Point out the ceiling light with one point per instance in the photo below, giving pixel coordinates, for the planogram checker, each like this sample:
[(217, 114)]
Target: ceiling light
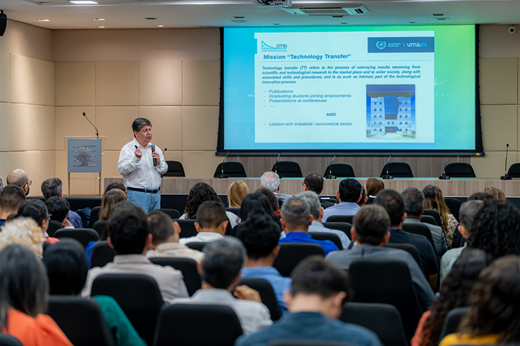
[(438, 14), (160, 26), (83, 2), (239, 17), (412, 22), (150, 18), (101, 26), (276, 23), (344, 23), (44, 20), (98, 19)]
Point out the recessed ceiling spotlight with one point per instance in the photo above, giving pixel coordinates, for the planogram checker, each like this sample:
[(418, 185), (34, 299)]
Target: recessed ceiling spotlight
[(412, 22), (83, 2), (344, 23), (276, 23), (98, 19), (150, 18), (239, 17), (44, 20), (337, 16), (101, 26), (438, 14), (160, 26)]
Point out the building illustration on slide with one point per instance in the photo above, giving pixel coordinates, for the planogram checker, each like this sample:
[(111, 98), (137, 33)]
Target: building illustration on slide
[(391, 111)]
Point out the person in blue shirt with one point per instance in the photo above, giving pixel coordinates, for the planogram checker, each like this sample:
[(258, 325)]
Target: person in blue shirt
[(260, 235), (318, 292), (296, 218), (349, 194)]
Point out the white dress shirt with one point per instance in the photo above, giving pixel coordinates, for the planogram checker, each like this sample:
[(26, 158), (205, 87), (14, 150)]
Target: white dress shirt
[(175, 250), (141, 173), (253, 316), (204, 237)]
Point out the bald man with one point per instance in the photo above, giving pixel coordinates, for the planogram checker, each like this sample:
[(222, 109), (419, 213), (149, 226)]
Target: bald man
[(20, 178)]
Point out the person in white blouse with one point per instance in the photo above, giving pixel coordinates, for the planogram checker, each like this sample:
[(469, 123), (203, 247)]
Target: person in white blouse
[(141, 164)]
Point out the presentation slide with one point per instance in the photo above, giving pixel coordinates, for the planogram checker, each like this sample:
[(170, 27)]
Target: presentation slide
[(359, 88)]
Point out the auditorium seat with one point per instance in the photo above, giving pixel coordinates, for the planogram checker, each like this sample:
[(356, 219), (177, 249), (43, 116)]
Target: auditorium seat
[(435, 215), (341, 218), (175, 169), (340, 170), (187, 228), (53, 227), (82, 235), (398, 170), (235, 211), (172, 213), (137, 295), (197, 324), (460, 170), (327, 236), (100, 226), (412, 250), (428, 219), (232, 169), (345, 227), (94, 216), (288, 169), (102, 254), (453, 205), (291, 254), (419, 229), (514, 170), (8, 340), (77, 203), (187, 266), (267, 295), (452, 321), (197, 245)]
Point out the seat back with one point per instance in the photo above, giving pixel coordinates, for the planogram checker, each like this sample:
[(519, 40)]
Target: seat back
[(197, 325), (398, 170), (187, 228), (187, 266), (452, 321), (8, 340), (514, 170), (428, 219), (232, 169), (266, 291), (175, 169), (81, 320), (291, 254), (137, 295), (340, 170), (102, 254), (53, 227), (453, 205), (172, 213), (382, 319), (388, 282), (235, 211), (411, 249), (435, 215), (327, 236), (99, 227), (83, 235), (345, 227), (288, 169), (94, 216), (341, 218), (420, 229), (197, 245), (460, 170), (77, 203)]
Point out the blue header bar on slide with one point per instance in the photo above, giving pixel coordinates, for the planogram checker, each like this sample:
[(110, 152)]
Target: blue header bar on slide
[(401, 44)]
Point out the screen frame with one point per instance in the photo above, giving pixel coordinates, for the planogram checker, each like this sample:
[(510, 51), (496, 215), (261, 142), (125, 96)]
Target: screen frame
[(479, 148)]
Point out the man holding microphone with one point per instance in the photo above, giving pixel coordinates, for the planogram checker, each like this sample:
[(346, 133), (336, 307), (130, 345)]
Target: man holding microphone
[(141, 164)]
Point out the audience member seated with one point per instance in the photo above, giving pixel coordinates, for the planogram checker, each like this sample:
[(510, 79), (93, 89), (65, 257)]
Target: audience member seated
[(370, 235), (23, 301), (467, 214), (67, 269), (393, 203), (317, 214), (116, 185), (493, 307), (364, 197), (481, 196), (454, 293), (271, 197), (349, 194), (200, 193), (165, 238), (498, 194), (236, 193), (211, 223), (220, 271), (296, 218), (314, 182), (110, 199), (53, 187), (260, 235), (10, 199), (496, 229), (433, 199), (129, 236), (20, 178), (258, 204), (373, 186), (58, 209), (23, 231), (271, 181), (414, 207), (318, 292), (36, 210)]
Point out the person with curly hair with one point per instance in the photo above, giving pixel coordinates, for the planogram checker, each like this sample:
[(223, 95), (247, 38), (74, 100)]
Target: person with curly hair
[(496, 229), (433, 199), (200, 193), (494, 308), (454, 293)]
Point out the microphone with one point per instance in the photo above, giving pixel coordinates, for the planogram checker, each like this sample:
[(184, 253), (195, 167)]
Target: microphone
[(506, 176), (444, 176), (222, 175), (330, 176), (153, 151), (387, 176), (97, 133), (276, 166)]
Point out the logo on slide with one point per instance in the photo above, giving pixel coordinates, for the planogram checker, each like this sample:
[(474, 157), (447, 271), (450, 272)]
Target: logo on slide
[(381, 44), (281, 47)]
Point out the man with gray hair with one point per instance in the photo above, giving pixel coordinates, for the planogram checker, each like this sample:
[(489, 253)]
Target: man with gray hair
[(467, 214), (296, 218), (220, 271), (20, 178), (53, 187), (313, 201), (271, 181), (141, 164), (414, 208)]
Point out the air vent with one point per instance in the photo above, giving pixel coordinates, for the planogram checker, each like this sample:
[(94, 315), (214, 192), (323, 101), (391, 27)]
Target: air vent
[(355, 10)]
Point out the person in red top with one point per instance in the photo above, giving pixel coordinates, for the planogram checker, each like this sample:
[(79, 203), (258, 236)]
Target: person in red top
[(36, 210), (23, 299)]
